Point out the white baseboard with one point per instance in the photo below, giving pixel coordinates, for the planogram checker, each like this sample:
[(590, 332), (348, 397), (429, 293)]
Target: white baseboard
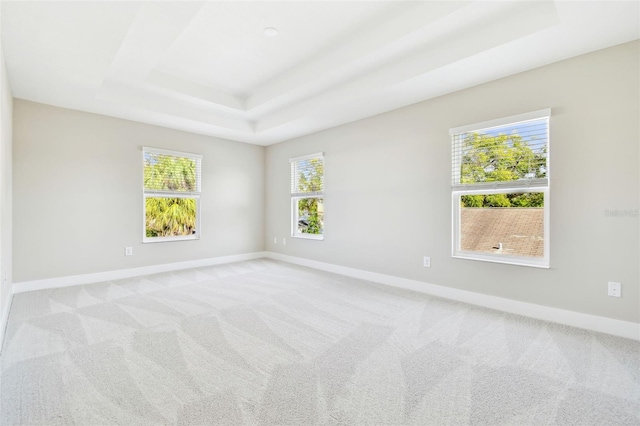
[(5, 317), (612, 326), (97, 277)]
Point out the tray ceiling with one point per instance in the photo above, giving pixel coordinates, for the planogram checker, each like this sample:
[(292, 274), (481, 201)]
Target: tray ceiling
[(209, 68)]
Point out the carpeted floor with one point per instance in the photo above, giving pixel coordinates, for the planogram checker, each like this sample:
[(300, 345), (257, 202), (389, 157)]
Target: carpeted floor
[(264, 342)]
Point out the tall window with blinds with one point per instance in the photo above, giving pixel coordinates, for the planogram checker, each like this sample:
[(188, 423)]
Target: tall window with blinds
[(172, 186), (500, 190), (307, 196)]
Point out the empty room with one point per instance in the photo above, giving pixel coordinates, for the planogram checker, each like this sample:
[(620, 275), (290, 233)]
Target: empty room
[(320, 212)]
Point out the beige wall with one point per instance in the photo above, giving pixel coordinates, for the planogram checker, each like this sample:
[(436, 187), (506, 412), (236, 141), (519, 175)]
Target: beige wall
[(388, 200), (78, 194), (6, 106)]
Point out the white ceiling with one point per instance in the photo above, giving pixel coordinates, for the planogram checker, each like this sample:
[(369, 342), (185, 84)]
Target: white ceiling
[(207, 67)]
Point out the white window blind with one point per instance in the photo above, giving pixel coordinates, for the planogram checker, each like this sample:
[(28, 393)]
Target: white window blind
[(307, 175), (510, 152), (171, 172)]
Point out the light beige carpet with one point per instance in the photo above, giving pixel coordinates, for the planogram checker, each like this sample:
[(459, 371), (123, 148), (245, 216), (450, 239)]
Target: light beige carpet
[(263, 342)]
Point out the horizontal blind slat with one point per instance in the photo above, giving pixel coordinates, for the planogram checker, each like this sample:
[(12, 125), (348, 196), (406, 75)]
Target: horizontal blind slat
[(306, 194), (173, 194), (524, 183)]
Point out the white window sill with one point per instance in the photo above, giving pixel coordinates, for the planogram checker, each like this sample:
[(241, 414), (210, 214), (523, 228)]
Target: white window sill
[(169, 239), (508, 260), (317, 237)]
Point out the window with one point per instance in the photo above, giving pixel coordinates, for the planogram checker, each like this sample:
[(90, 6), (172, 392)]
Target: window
[(307, 200), (171, 195), (500, 190)]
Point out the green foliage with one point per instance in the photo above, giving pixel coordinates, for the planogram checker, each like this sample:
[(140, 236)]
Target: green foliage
[(497, 200), (167, 217), (472, 200), (315, 225), (170, 216), (490, 158), (531, 199), (310, 210)]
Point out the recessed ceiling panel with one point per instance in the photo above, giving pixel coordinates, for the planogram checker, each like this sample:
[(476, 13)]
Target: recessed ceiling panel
[(224, 47)]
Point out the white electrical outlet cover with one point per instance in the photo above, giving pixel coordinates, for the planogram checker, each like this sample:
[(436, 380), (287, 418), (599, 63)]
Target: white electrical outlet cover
[(615, 289)]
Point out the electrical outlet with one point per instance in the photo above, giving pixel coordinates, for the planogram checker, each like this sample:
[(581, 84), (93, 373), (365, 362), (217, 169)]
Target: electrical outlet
[(275, 240), (284, 241), (128, 251), (615, 289), (426, 262)]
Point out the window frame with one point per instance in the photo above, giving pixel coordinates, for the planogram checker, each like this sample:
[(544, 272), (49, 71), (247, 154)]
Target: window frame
[(298, 196), (501, 187), (171, 194)]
